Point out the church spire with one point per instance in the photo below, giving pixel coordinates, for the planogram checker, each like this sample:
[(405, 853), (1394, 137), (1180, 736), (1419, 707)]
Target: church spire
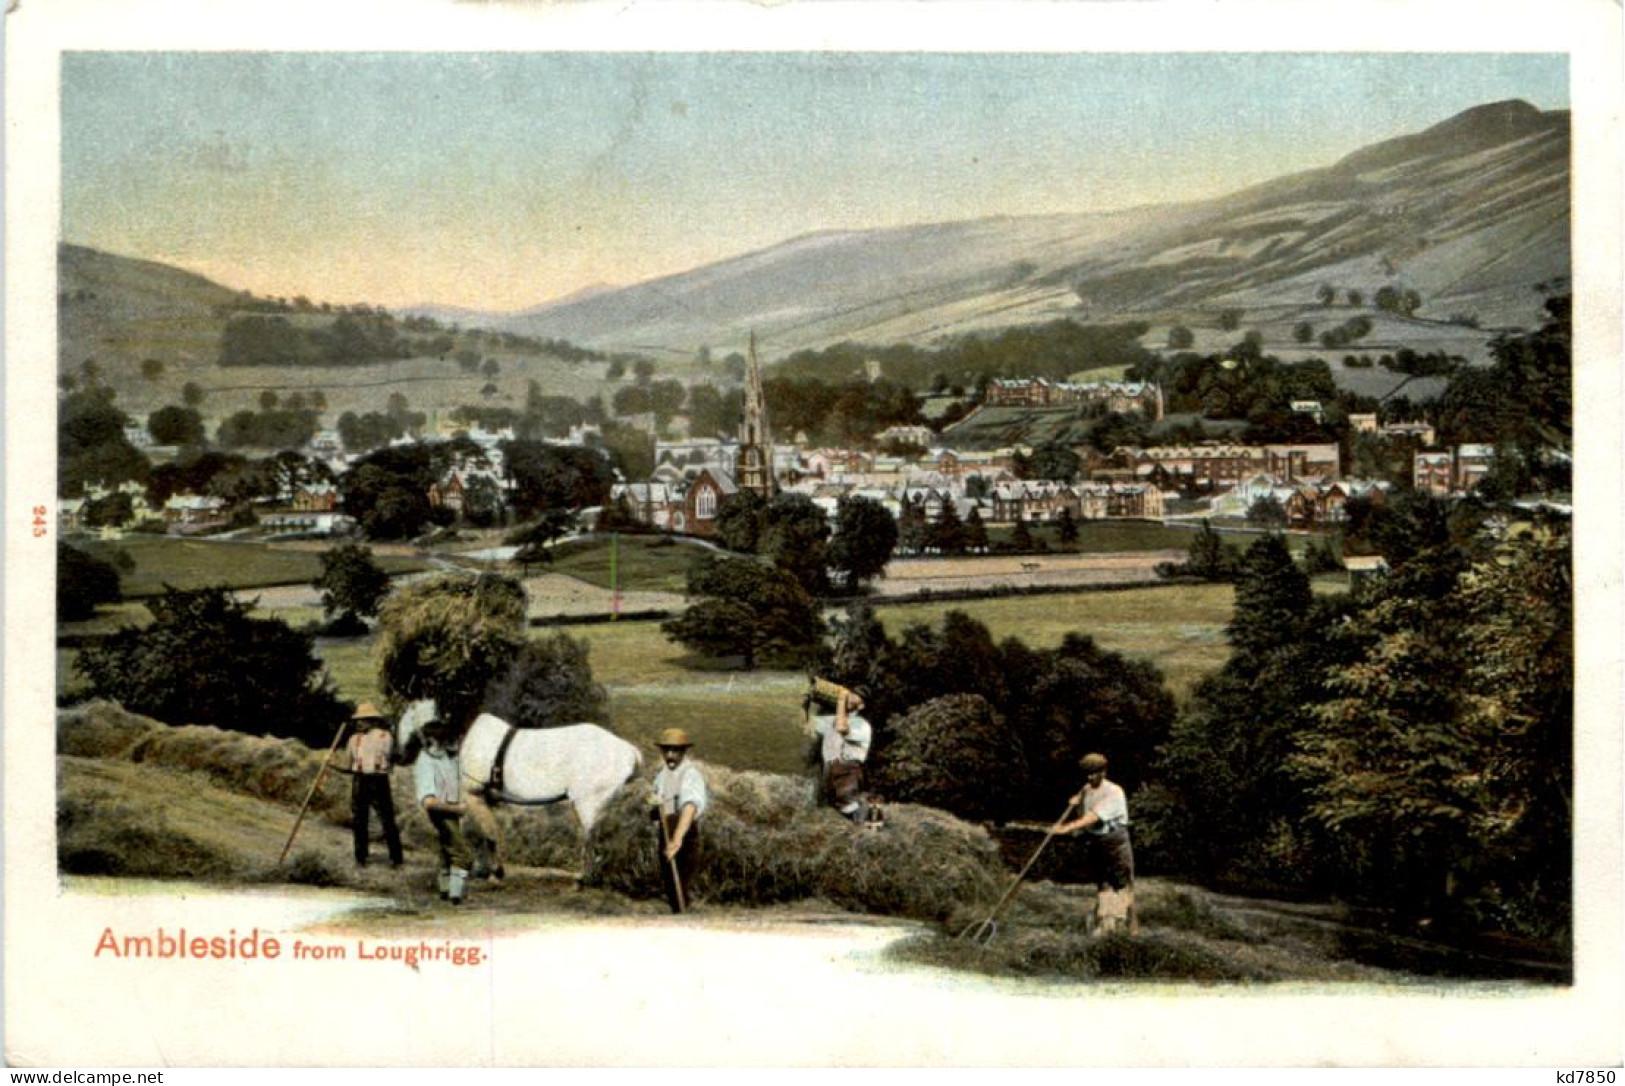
[(755, 464)]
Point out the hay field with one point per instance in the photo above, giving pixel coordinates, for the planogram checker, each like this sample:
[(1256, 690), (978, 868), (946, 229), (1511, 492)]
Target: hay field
[(1179, 628)]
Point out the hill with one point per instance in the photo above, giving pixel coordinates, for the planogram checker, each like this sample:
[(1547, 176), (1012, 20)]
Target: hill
[(1471, 214), (120, 313)]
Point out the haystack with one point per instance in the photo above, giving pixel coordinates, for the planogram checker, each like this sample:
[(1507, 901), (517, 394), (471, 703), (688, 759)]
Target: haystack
[(766, 840)]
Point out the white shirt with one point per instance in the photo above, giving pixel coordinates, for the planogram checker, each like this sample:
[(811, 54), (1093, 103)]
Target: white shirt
[(436, 774), (680, 787), (851, 747), (1109, 803)]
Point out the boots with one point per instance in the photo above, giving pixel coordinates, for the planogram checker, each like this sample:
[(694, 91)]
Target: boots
[(458, 883)]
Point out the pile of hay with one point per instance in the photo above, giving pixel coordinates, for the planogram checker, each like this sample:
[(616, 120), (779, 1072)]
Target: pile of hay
[(766, 840), (96, 834)]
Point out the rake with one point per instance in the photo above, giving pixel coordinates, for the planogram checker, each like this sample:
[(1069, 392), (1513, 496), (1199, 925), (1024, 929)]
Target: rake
[(982, 932)]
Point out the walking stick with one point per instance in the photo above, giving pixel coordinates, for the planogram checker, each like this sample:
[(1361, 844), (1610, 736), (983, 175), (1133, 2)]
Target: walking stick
[(984, 931), (317, 783), (671, 862)]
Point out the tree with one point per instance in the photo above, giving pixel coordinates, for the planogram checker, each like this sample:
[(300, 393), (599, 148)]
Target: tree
[(192, 394), (1207, 558), (205, 660), (1356, 298), (743, 608), (536, 542), (957, 754), (864, 539), (739, 521), (152, 369), (490, 368), (175, 426), (947, 533), (1180, 338), (643, 370), (1066, 527), (91, 446), (447, 639), (1303, 332), (83, 583), (1324, 294), (1021, 537), (795, 536), (1230, 319), (1267, 512), (352, 585), (548, 684), (268, 400), (1050, 461), (975, 532)]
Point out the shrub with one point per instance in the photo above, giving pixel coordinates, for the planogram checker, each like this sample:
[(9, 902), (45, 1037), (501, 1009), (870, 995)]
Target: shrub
[(954, 753)]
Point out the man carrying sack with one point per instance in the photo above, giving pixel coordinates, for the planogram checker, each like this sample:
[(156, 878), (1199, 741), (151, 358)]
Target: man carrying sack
[(1104, 823), (370, 748), (677, 803), (843, 746)]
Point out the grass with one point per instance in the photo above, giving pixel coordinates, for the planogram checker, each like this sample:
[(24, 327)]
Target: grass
[(196, 563), (1179, 628), (646, 563)]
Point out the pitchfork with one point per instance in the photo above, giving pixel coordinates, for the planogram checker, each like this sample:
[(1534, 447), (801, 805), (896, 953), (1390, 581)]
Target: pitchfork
[(982, 933)]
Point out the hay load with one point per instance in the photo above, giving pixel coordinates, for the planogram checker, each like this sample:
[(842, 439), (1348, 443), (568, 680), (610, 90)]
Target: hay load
[(766, 840)]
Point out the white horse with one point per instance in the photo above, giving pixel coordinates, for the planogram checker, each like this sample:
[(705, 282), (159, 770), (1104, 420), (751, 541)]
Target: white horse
[(583, 763)]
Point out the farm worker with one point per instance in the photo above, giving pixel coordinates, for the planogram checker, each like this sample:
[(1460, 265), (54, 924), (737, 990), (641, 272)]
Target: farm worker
[(678, 803), (1104, 823), (843, 747), (439, 787), (369, 748)]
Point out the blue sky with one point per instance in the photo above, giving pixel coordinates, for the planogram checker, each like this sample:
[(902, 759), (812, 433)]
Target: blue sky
[(502, 180)]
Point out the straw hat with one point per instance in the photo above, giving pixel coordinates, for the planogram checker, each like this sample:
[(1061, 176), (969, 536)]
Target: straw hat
[(1093, 763), (674, 737), (367, 711)]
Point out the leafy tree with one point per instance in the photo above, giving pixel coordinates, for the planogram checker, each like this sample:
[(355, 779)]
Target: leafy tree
[(536, 542), (1207, 558), (957, 754), (447, 639), (1066, 527), (175, 426), (1181, 338), (739, 521), (192, 394), (1021, 537), (865, 537), (947, 533), (110, 511), (911, 528), (549, 684), (490, 368), (83, 583), (555, 476), (643, 370), (795, 537), (1230, 319), (746, 609), (352, 584), (268, 400), (205, 660), (1355, 298), (91, 446), (1050, 461), (152, 369), (1267, 512), (616, 370), (387, 491), (1303, 332), (1324, 294), (975, 532)]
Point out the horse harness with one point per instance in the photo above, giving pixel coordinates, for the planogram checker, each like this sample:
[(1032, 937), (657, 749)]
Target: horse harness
[(493, 787)]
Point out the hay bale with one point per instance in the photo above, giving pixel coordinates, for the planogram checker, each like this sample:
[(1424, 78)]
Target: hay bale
[(766, 840), (100, 835), (100, 729)]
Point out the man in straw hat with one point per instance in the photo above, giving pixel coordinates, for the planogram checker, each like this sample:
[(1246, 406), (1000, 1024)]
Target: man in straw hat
[(370, 749), (1104, 824), (677, 804)]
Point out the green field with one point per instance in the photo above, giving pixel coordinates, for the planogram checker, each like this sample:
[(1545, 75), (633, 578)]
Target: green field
[(749, 720), (645, 563), (196, 563), (1104, 536)]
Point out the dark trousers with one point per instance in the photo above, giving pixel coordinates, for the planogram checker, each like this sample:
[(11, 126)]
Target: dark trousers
[(688, 857), (454, 851), (369, 791), (843, 784), (1111, 858)]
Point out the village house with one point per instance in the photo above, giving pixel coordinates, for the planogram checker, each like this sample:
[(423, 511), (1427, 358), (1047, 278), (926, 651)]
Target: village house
[(190, 513), (659, 505), (1123, 397)]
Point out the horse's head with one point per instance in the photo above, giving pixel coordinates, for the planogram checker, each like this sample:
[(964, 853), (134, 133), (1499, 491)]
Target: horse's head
[(409, 729)]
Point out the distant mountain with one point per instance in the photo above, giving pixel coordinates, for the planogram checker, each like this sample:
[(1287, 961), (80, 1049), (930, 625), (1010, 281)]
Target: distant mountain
[(1472, 213)]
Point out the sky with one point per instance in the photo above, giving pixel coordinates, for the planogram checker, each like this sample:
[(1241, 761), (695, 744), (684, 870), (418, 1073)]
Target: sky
[(500, 181)]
